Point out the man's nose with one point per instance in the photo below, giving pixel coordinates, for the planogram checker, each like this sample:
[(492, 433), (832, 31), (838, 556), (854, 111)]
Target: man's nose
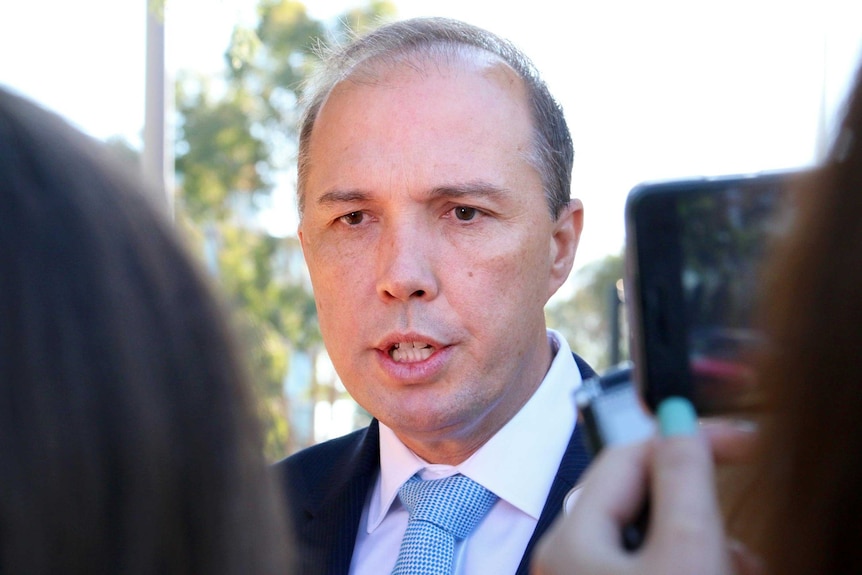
[(406, 266)]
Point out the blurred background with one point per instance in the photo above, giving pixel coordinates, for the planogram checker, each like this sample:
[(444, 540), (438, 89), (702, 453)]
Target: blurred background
[(202, 94)]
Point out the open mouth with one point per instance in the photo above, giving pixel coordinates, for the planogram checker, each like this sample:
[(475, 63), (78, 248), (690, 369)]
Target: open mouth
[(410, 352)]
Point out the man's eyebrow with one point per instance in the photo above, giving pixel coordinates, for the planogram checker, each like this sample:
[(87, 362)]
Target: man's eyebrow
[(454, 191), (468, 189), (342, 197)]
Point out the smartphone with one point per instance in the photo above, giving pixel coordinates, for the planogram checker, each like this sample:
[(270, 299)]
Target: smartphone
[(695, 250)]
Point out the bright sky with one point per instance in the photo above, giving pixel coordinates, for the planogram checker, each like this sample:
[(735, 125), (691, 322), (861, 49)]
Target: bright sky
[(651, 88)]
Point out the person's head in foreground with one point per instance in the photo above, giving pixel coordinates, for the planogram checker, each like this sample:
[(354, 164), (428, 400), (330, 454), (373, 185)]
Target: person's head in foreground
[(128, 436)]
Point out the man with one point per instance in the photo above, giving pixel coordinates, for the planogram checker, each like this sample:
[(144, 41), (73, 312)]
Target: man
[(435, 219)]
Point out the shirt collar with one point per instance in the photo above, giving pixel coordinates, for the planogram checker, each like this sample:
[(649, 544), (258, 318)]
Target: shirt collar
[(518, 464)]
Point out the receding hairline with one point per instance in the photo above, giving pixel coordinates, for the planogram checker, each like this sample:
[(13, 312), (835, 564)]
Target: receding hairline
[(419, 58)]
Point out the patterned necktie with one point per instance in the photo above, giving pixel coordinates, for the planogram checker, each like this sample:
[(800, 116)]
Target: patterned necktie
[(441, 512)]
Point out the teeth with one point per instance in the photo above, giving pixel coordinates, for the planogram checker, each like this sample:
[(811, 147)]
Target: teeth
[(410, 352)]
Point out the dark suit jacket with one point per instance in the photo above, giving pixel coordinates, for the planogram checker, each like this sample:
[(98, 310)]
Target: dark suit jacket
[(326, 486)]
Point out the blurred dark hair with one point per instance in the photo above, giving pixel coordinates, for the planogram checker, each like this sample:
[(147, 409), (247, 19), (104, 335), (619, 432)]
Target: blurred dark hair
[(808, 496), (440, 38), (128, 437)]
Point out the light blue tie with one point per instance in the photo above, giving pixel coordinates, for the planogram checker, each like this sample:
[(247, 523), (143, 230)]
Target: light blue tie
[(441, 512)]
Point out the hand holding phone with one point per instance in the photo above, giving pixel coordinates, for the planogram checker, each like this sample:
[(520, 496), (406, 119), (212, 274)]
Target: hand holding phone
[(678, 471), (694, 253)]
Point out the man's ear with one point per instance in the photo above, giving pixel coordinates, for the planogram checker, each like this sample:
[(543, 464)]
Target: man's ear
[(564, 244), (299, 235)]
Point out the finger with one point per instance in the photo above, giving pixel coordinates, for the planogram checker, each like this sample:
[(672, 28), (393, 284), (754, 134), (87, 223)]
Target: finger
[(683, 491), (686, 515), (732, 441), (615, 485)]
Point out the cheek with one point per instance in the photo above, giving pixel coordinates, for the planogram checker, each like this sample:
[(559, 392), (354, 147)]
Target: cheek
[(501, 291), (333, 256), (336, 267), (328, 299), (521, 268)]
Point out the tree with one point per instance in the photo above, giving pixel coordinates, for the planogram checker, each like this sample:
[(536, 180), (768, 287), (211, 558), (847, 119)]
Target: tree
[(235, 136), (587, 319)]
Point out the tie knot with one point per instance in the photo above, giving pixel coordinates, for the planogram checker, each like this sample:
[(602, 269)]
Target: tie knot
[(456, 504)]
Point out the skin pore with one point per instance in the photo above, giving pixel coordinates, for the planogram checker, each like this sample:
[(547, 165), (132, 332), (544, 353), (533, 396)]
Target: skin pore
[(431, 248)]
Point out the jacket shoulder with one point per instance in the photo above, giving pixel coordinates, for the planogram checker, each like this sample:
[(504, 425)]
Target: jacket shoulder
[(322, 466)]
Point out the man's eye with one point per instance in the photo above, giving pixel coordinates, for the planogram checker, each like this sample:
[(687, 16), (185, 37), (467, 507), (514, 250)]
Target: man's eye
[(465, 213), (353, 218)]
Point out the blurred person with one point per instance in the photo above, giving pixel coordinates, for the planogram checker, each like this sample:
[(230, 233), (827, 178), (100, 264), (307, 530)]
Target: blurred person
[(128, 435), (802, 513), (436, 221)]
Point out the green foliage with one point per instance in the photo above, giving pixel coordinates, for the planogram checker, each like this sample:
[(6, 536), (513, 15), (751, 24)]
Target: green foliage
[(287, 37), (276, 428), (586, 318), (218, 154)]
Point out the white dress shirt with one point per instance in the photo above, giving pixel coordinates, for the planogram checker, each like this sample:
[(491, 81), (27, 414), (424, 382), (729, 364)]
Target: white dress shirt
[(518, 464)]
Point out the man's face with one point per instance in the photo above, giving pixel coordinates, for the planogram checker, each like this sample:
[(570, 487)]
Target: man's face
[(431, 249)]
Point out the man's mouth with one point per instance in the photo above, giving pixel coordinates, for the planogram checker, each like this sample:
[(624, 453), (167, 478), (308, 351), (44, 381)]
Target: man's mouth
[(410, 352)]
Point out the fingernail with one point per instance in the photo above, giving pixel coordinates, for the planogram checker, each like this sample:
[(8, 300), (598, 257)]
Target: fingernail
[(676, 416)]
